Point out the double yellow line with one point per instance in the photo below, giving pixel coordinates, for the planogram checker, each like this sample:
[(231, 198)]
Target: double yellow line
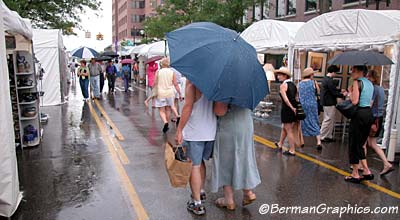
[(119, 158), (329, 167)]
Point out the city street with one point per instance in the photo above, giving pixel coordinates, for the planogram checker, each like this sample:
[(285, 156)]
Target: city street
[(105, 160)]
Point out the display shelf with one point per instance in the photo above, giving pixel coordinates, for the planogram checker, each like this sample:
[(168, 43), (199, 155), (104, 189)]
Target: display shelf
[(27, 103), (26, 87), (25, 73), (28, 118)]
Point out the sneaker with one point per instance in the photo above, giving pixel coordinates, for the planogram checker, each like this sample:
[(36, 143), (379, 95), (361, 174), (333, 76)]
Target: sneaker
[(198, 209), (203, 196)]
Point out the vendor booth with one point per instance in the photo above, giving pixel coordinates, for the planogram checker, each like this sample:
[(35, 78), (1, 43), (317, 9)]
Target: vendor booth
[(15, 34), (49, 50), (329, 34), (272, 37)]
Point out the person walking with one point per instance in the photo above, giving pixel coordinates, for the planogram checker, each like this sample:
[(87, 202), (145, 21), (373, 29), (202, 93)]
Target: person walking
[(165, 82), (125, 75), (308, 88), (72, 68), (95, 71), (196, 131), (135, 69), (329, 94), (83, 74), (234, 161), (102, 77), (361, 96), (288, 93), (111, 72), (377, 112)]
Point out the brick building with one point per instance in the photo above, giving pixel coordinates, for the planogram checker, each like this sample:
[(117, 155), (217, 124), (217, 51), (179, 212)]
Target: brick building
[(304, 10), (128, 16)]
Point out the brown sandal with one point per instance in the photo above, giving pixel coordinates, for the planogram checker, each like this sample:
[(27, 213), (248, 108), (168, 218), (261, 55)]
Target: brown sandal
[(248, 199), (221, 203)]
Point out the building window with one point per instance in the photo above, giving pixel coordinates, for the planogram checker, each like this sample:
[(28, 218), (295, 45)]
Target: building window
[(311, 5), (280, 8), (138, 4), (138, 18), (135, 32), (291, 7), (154, 3)]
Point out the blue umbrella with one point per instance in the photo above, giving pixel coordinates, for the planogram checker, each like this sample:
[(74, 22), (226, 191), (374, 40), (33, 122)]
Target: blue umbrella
[(222, 65), (84, 53)]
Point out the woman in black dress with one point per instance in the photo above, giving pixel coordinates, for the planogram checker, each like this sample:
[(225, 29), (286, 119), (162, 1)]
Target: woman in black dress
[(288, 92)]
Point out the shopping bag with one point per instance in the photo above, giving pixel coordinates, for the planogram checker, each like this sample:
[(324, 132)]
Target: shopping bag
[(177, 166)]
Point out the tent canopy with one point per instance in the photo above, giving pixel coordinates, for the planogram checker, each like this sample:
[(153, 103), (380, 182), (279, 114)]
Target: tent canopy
[(13, 23), (271, 36), (153, 49), (351, 29)]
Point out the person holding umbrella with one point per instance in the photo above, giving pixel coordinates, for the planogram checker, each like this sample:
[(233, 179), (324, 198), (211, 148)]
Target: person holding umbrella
[(83, 74), (95, 71), (111, 72), (125, 75), (225, 68), (361, 96)]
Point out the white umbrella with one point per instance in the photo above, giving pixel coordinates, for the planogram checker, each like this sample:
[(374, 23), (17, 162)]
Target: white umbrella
[(157, 49)]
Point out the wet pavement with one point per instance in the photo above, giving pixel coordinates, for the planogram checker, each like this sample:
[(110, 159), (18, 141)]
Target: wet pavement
[(83, 171)]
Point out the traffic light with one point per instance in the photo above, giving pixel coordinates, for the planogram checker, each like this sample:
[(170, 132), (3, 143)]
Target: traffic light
[(99, 36)]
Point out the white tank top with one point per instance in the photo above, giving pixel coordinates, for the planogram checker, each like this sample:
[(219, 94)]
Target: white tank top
[(202, 124)]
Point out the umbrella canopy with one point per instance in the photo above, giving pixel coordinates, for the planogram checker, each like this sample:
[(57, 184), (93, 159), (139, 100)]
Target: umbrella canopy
[(110, 54), (104, 58), (218, 62), (359, 58), (84, 53), (127, 61), (153, 59), (157, 49)]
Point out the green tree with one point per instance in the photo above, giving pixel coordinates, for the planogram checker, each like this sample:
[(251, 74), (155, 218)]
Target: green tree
[(177, 13), (59, 14)]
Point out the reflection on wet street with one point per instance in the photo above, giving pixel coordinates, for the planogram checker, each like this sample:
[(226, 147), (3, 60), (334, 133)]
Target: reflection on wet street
[(105, 160)]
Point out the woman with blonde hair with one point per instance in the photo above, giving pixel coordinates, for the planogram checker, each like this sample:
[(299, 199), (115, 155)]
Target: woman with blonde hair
[(165, 81)]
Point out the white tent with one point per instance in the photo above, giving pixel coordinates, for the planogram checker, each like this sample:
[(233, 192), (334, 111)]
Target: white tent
[(154, 49), (49, 50), (358, 29), (271, 36), (10, 196), (136, 49)]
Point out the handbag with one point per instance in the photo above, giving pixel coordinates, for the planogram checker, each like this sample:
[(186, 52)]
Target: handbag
[(347, 108), (177, 165), (320, 107), (300, 114)]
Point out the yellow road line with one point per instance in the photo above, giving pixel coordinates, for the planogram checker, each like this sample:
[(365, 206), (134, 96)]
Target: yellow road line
[(109, 121), (133, 196), (329, 167), (121, 153)]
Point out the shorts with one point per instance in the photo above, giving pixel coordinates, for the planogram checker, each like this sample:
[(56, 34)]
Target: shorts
[(159, 103), (197, 151)]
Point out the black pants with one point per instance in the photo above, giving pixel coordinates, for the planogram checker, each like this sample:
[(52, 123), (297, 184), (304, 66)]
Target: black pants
[(111, 82), (360, 126), (101, 82)]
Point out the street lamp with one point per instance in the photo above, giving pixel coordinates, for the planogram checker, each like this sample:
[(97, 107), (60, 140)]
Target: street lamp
[(142, 33), (134, 35)]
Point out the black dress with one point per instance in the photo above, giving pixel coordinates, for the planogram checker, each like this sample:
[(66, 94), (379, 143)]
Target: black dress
[(287, 115)]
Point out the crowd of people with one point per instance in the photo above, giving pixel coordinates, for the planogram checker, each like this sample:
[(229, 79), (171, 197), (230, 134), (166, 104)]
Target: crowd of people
[(210, 129), (364, 93)]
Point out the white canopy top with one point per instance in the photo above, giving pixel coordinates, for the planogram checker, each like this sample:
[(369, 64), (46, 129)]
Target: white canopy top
[(349, 29), (47, 38), (136, 49), (270, 36), (13, 23), (153, 49)]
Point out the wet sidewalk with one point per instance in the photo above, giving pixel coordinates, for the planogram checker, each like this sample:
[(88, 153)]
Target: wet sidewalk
[(105, 160)]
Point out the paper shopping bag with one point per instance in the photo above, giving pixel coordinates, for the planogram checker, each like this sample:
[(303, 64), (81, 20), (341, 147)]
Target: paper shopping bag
[(178, 171)]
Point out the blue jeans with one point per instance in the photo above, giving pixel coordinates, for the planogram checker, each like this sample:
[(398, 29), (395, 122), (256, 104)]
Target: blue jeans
[(126, 83), (95, 85), (84, 83), (198, 151)]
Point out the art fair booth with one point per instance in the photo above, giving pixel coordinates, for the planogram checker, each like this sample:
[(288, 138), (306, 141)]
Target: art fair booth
[(15, 41), (49, 51), (329, 34)]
